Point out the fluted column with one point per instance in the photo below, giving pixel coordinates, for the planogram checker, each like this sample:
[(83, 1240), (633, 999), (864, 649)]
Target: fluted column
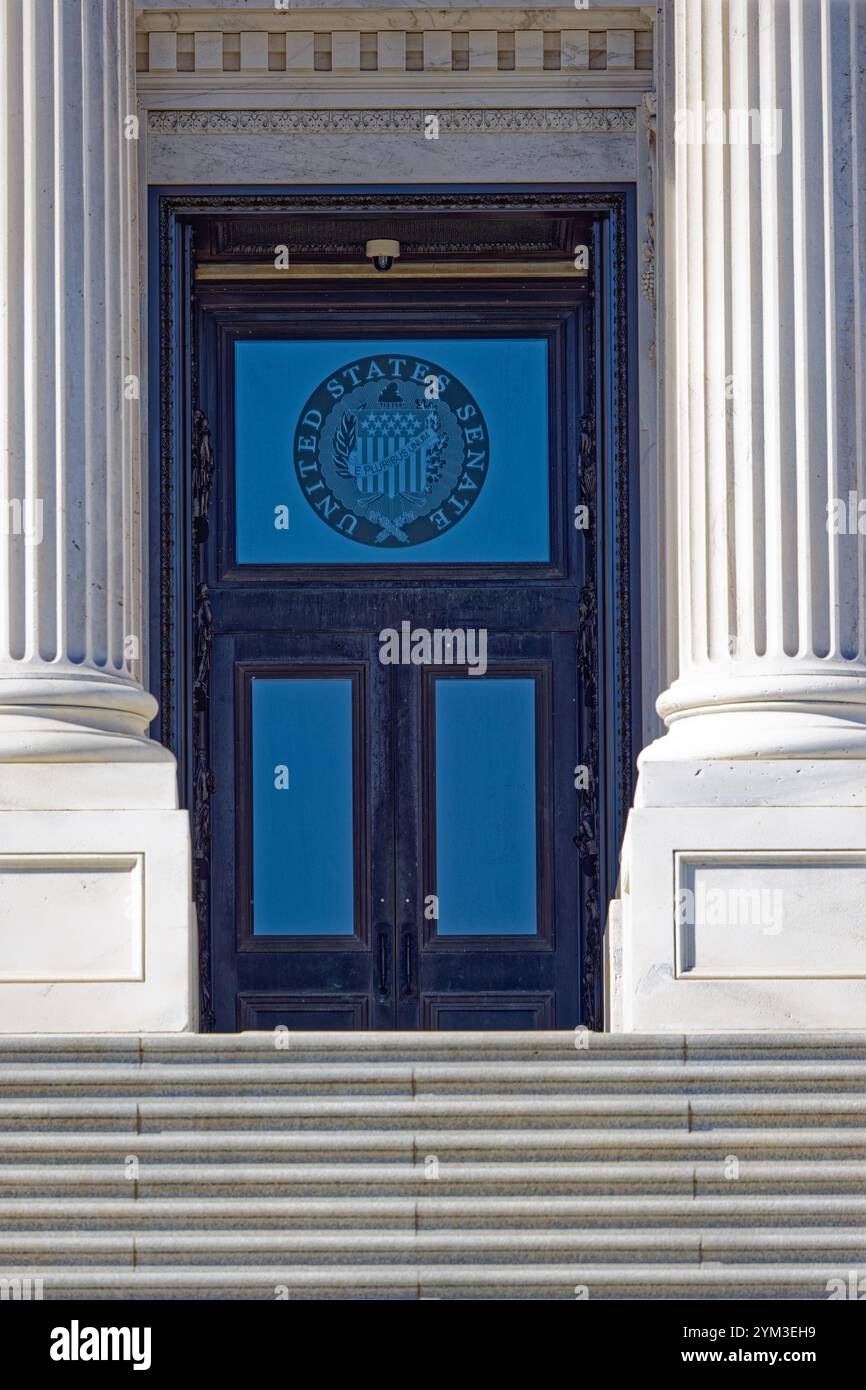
[(768, 255), (70, 602)]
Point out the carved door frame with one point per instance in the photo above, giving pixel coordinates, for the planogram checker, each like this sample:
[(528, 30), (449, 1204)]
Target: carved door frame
[(181, 465)]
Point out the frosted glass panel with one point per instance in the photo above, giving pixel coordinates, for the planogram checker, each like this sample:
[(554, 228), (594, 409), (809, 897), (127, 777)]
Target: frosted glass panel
[(486, 863), (303, 874), (392, 451)]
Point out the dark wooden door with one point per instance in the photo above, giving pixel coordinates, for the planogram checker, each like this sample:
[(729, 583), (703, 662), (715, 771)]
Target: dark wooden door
[(485, 855), (394, 582), (302, 905)]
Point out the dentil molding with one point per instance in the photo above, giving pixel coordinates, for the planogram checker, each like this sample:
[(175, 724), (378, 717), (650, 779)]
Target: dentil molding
[(554, 43)]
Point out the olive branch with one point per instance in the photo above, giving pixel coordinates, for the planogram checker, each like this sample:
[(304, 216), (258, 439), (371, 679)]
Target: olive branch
[(436, 461), (344, 444)]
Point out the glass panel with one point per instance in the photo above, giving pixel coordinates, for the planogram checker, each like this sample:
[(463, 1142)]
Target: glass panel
[(485, 807), (303, 874), (404, 451)]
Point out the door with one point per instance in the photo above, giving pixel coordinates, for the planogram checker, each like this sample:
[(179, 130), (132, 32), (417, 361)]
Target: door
[(394, 582)]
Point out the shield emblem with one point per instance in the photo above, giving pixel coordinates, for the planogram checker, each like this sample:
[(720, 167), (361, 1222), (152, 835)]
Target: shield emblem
[(391, 457)]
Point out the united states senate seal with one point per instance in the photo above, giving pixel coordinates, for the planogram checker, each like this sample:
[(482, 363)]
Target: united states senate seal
[(391, 451)]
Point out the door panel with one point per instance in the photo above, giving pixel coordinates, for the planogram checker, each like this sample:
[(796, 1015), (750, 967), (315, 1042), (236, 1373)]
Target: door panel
[(485, 860), (304, 875)]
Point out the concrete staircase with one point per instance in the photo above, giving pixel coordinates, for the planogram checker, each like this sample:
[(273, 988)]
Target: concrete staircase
[(437, 1166)]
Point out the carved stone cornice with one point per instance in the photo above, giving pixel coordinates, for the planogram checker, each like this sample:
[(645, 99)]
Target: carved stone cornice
[(559, 120)]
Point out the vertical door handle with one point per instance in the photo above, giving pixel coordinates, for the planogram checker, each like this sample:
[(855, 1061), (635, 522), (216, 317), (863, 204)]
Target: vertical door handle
[(408, 984), (384, 937)]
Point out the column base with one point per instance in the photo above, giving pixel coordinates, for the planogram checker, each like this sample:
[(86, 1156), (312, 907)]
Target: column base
[(97, 928), (742, 899), (810, 711)]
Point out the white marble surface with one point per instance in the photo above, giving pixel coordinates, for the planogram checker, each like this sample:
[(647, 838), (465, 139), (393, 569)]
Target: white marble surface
[(254, 51), (84, 915), (753, 782), (105, 984), (794, 991), (300, 51), (529, 49), (753, 914), (395, 13), (574, 50), (162, 52), (483, 50), (392, 51), (208, 52), (620, 50), (90, 786), (345, 52), (437, 51), (228, 159)]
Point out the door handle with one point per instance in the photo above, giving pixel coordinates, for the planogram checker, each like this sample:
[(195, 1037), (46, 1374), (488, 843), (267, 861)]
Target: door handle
[(408, 985), (383, 953)]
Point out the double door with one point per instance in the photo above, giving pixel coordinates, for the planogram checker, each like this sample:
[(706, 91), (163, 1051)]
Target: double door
[(394, 588)]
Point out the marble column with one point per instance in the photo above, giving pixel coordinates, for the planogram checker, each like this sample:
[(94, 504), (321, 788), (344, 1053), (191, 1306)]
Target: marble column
[(744, 863), (768, 262), (95, 922), (70, 600)]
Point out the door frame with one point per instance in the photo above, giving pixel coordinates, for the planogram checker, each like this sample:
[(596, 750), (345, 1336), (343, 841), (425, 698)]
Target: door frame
[(180, 478)]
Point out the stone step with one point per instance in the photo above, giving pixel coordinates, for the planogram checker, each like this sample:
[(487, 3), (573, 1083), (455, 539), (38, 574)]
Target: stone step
[(467, 1166), (468, 1179), (105, 1151), (585, 1212), (133, 1250), (247, 1080), (563, 1044), (88, 1114), (569, 1281)]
